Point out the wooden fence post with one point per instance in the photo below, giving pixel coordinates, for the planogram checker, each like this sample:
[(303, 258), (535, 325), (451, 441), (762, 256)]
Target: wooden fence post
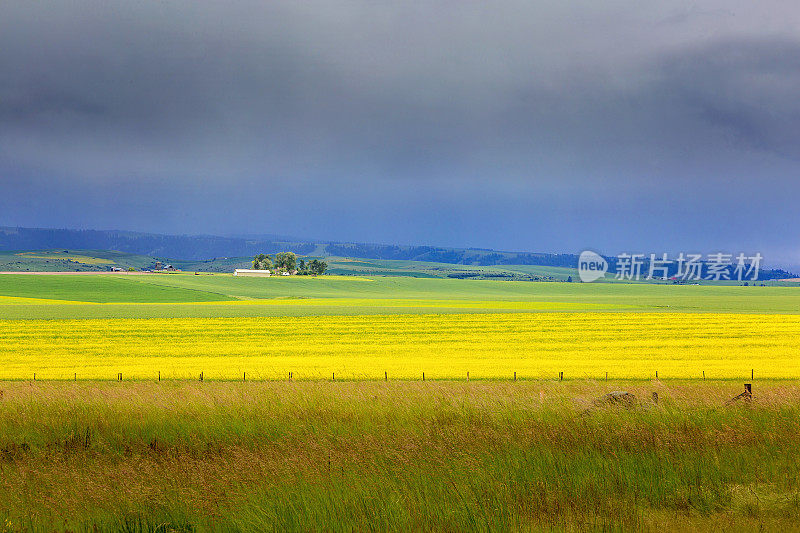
[(423, 376), (467, 375), (515, 376), (560, 376), (159, 375), (606, 377), (752, 373), (334, 376), (385, 376), (244, 376), (201, 376)]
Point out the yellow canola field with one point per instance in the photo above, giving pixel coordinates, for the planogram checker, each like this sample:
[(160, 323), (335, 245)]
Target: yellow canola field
[(535, 345)]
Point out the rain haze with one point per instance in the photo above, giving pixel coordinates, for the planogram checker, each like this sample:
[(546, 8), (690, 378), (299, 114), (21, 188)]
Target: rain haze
[(531, 126)]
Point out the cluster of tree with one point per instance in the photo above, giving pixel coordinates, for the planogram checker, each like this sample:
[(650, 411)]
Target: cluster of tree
[(287, 262), (315, 267), (262, 262)]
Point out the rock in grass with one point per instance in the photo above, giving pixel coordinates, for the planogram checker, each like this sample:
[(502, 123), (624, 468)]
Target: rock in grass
[(616, 398)]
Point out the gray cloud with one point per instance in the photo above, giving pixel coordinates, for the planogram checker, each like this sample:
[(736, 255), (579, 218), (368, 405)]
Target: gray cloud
[(515, 125)]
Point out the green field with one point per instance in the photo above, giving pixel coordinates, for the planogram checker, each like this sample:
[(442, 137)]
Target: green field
[(61, 260), (219, 295)]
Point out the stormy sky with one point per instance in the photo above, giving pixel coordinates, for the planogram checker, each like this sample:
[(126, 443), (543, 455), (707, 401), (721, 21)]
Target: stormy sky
[(537, 126)]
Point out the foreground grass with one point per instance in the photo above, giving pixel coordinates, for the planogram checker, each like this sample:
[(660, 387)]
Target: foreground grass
[(396, 456)]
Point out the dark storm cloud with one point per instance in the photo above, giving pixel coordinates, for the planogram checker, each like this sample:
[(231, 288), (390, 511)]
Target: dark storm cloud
[(744, 90), (518, 125)]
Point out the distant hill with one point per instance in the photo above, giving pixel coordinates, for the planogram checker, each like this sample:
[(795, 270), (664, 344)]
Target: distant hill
[(206, 247), (230, 252)]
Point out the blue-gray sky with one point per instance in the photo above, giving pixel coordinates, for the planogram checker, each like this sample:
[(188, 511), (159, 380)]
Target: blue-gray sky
[(538, 126)]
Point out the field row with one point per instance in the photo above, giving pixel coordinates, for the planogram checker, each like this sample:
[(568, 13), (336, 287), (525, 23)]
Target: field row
[(534, 345)]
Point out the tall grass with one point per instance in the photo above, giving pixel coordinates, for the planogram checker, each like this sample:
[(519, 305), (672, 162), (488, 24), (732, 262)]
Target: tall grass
[(441, 456)]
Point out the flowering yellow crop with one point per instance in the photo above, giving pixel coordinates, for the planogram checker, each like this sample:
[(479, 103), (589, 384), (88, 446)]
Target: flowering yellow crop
[(535, 345)]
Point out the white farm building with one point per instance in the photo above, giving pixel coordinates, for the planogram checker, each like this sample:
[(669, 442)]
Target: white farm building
[(252, 273)]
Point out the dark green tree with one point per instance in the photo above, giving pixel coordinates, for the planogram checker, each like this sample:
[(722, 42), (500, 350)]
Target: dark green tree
[(317, 267), (262, 262), (286, 261)]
